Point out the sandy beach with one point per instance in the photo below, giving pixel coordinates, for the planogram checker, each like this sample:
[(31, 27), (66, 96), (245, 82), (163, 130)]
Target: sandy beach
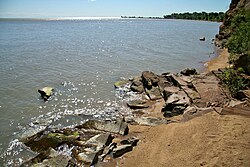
[(209, 140), (218, 62)]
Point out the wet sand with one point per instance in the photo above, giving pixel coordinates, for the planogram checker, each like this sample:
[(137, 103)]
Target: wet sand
[(218, 62)]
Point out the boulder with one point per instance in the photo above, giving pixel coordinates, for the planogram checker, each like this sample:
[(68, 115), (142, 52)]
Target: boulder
[(163, 83), (88, 159), (47, 158), (42, 142), (192, 112), (176, 104), (168, 91), (120, 150), (187, 87), (31, 132), (189, 71), (137, 85), (118, 126), (46, 92), (177, 81), (179, 98), (154, 93), (177, 110), (100, 140), (139, 89), (191, 92), (108, 150), (137, 104), (149, 79)]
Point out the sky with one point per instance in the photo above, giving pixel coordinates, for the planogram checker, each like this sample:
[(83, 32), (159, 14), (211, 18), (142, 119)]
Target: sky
[(105, 8)]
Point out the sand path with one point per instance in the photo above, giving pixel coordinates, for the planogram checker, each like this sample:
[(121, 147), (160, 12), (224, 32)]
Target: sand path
[(209, 140)]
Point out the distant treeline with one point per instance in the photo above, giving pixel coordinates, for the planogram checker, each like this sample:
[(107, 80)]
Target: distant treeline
[(213, 16)]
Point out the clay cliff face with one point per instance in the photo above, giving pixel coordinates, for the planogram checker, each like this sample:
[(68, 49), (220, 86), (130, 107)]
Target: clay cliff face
[(226, 29)]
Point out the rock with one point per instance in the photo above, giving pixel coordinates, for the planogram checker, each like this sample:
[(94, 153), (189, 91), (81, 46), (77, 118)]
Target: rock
[(120, 150), (139, 89), (118, 126), (179, 98), (149, 121), (168, 91), (187, 87), (122, 83), (89, 159), (163, 83), (176, 104), (177, 110), (131, 141), (177, 81), (149, 79), (137, 104), (100, 140), (237, 108), (189, 71), (154, 93), (192, 112), (46, 92), (108, 150), (58, 161), (32, 131), (47, 158), (137, 85), (202, 38), (42, 142)]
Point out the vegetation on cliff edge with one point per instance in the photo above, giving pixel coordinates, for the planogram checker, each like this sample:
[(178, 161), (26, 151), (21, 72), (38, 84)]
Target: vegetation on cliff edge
[(238, 46)]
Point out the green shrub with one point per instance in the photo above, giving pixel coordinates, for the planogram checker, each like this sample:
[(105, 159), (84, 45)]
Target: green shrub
[(234, 81), (239, 42)]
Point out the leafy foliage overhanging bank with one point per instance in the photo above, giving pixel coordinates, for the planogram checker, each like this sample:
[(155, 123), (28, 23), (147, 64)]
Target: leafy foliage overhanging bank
[(235, 35)]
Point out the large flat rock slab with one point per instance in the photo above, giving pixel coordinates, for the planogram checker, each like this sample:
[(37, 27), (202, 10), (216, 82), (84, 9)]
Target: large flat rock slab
[(211, 91)]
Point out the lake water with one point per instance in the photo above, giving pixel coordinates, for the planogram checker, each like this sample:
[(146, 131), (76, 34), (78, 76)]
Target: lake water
[(82, 59)]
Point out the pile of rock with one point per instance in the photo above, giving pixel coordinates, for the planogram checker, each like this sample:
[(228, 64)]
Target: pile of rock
[(85, 144), (177, 92)]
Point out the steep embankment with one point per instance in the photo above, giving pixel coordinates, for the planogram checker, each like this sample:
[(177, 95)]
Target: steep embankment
[(228, 27)]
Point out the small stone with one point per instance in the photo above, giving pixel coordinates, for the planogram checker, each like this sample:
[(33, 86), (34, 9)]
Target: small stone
[(202, 38)]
